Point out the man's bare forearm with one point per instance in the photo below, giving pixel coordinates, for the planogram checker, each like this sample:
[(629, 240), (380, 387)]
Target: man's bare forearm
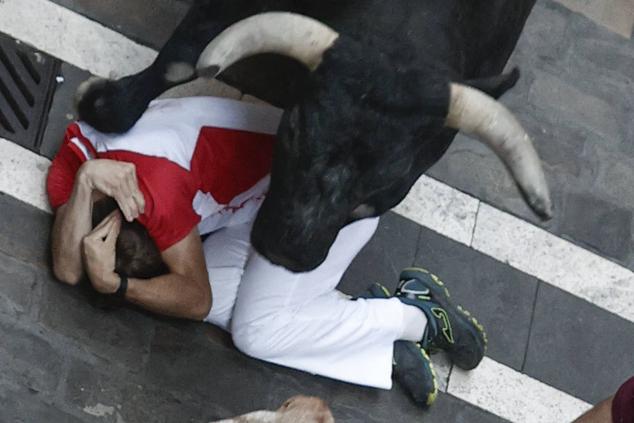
[(171, 295), (72, 222)]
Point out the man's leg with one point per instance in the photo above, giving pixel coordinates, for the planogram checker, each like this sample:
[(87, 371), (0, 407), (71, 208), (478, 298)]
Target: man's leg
[(299, 320), (226, 253)]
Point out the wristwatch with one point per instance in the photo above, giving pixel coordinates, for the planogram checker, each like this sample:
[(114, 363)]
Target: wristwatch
[(123, 286)]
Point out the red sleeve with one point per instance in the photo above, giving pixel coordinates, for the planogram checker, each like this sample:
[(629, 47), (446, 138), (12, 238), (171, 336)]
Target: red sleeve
[(66, 163), (169, 191), (166, 231)]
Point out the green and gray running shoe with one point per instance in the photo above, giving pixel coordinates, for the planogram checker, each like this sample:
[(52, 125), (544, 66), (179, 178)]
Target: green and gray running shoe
[(412, 368), (450, 328)]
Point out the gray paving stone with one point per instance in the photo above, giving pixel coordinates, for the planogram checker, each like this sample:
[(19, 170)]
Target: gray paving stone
[(580, 108), (602, 226), (358, 404), (500, 297), (450, 409), (24, 406), (27, 358), (211, 371), (544, 36), (108, 396), (197, 368), (24, 231), (19, 287), (610, 60), (348, 403), (117, 336), (392, 248), (577, 347), (191, 378)]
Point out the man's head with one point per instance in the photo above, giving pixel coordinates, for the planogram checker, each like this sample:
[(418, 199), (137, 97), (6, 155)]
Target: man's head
[(136, 253)]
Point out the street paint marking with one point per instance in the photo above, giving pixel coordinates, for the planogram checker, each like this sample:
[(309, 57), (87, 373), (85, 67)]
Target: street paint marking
[(441, 208), (23, 174), (52, 29), (521, 245), (513, 395), (554, 260)]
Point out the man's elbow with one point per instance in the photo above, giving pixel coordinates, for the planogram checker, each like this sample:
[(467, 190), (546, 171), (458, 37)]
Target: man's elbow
[(201, 307), (66, 275)]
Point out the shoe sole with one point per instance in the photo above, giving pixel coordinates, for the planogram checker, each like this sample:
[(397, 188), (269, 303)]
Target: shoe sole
[(414, 348), (379, 291), (475, 328)]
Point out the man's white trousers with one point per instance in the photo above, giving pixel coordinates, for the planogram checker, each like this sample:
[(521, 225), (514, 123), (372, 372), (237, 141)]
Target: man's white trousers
[(300, 320)]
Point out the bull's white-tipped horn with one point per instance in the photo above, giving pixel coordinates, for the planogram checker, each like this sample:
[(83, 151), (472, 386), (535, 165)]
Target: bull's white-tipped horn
[(475, 113), (297, 36)]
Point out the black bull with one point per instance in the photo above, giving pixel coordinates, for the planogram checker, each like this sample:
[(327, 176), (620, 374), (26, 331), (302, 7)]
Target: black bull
[(360, 129)]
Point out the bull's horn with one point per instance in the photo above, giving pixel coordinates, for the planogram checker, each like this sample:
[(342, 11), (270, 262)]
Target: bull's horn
[(473, 112), (289, 34)]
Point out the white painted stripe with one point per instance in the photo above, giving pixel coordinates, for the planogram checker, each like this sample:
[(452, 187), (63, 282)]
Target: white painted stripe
[(554, 260), (23, 174), (522, 245), (73, 38), (442, 208), (62, 33), (89, 45), (513, 395)]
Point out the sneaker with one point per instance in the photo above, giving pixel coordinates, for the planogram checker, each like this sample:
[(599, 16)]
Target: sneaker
[(412, 367), (449, 328)]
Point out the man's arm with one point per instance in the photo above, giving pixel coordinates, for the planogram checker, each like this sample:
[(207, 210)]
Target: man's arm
[(73, 220), (183, 293)]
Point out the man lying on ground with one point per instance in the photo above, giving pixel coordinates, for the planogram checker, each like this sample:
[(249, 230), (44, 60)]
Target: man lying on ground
[(199, 166)]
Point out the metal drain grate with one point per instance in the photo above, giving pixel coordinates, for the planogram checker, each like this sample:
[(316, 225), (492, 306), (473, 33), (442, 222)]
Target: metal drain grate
[(27, 81)]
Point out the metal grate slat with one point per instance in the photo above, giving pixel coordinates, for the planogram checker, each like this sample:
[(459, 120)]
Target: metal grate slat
[(27, 82), (17, 77), (10, 121)]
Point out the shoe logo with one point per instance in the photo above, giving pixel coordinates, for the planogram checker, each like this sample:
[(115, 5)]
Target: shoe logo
[(409, 290), (447, 332)]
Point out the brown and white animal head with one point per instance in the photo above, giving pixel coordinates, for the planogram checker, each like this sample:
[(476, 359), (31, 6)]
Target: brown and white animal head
[(298, 409)]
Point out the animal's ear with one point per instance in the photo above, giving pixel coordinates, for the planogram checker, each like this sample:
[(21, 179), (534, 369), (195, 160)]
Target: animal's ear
[(497, 85)]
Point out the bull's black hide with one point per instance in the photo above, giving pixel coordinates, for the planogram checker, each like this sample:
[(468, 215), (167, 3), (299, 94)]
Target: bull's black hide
[(358, 131)]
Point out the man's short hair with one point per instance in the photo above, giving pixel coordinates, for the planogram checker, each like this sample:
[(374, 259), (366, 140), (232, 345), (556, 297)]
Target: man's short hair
[(137, 255)]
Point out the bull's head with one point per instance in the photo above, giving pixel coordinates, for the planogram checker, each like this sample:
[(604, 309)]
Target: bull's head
[(359, 135)]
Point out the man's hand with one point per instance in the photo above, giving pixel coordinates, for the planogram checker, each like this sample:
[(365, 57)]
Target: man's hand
[(117, 180), (100, 254)]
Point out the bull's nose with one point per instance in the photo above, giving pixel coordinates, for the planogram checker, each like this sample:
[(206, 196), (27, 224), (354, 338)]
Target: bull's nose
[(296, 263), (293, 256), (286, 262)]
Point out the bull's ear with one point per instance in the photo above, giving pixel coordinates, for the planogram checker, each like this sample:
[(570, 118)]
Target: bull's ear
[(497, 85)]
